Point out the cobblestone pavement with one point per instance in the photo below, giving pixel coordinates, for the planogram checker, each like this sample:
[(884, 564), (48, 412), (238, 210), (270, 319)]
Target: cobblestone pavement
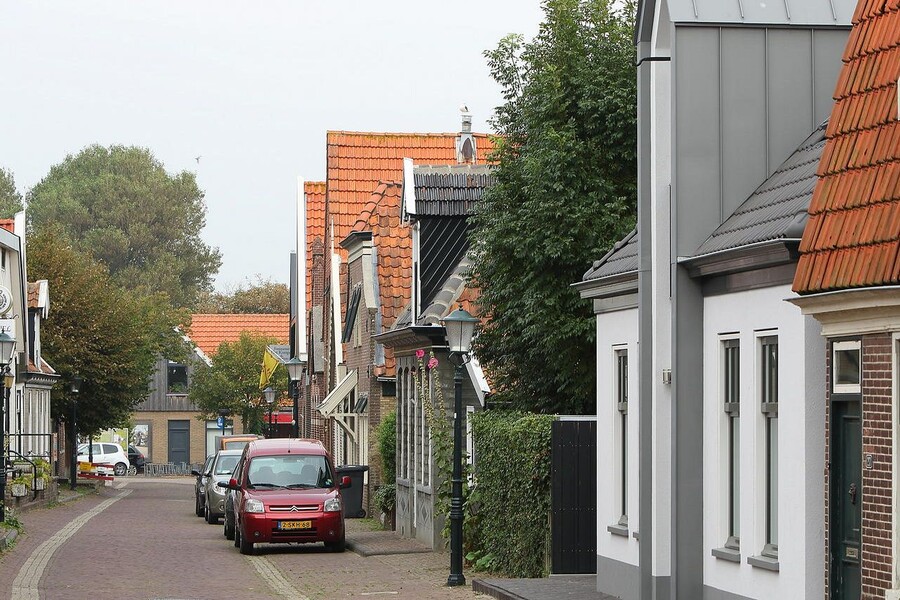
[(149, 545)]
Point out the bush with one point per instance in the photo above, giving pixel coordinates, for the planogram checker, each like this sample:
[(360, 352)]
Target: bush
[(387, 447), (508, 510), (386, 497)]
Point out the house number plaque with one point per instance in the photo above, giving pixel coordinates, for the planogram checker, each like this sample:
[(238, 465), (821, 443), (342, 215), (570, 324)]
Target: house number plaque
[(853, 553), (870, 461)]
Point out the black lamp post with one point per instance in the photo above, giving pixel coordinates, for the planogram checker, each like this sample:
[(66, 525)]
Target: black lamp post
[(295, 372), (269, 395), (460, 327), (74, 388), (7, 347)]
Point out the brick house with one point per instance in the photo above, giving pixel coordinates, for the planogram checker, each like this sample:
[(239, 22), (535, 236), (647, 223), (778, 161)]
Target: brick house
[(168, 420), (847, 277)]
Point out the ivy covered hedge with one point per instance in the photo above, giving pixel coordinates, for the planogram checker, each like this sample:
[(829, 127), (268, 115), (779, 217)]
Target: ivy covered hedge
[(508, 516)]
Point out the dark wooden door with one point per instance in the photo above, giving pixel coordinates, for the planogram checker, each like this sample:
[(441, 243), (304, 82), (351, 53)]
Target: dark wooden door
[(845, 505), (573, 525), (180, 441)]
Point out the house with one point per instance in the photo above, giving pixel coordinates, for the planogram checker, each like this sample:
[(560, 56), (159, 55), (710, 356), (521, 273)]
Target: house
[(709, 453), (168, 421), (32, 410), (437, 201), (847, 278)]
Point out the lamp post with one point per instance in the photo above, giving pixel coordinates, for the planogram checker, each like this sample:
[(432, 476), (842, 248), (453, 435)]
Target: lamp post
[(74, 388), (7, 347), (460, 327), (269, 395), (295, 371)]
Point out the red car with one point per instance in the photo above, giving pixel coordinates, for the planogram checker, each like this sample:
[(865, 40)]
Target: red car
[(286, 491)]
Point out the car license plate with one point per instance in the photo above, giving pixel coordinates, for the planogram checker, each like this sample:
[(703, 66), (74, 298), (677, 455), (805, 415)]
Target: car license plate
[(294, 525)]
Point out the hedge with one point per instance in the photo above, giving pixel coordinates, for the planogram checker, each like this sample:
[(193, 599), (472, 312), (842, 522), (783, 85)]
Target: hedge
[(508, 510)]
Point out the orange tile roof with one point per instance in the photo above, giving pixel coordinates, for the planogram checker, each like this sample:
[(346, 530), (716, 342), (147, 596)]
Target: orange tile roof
[(357, 161), (393, 247), (852, 238), (8, 224), (208, 331), (315, 227)]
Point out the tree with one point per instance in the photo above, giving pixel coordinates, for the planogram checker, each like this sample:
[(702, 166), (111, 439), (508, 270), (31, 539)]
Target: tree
[(98, 331), (232, 382), (264, 296), (10, 198), (120, 205), (566, 192)]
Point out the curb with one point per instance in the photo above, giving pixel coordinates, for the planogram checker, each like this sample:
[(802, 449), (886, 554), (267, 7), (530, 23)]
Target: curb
[(8, 538), (482, 587)]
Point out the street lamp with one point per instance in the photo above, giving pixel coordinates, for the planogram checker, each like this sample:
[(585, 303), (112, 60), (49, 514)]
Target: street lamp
[(74, 388), (460, 327), (7, 348), (295, 371), (269, 395)]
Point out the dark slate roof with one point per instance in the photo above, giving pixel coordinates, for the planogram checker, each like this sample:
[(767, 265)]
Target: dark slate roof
[(449, 191), (623, 258), (777, 209)]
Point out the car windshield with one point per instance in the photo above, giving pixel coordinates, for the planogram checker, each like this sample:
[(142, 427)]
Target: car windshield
[(290, 471), (226, 463)]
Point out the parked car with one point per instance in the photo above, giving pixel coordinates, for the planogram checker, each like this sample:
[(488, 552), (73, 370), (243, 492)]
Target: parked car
[(286, 491), (200, 485), (222, 470), (105, 453), (136, 458)]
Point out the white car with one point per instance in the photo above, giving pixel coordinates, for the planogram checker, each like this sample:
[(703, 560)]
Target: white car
[(106, 453)]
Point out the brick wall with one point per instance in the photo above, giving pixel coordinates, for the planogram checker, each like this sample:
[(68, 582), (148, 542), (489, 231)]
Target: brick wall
[(876, 485), (159, 433), (827, 468)]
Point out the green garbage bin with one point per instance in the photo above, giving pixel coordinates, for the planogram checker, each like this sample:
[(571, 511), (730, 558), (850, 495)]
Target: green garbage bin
[(353, 495)]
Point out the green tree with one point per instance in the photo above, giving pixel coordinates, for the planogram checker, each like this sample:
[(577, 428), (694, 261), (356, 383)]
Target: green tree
[(10, 198), (121, 206), (262, 297), (566, 192), (232, 382), (98, 331)]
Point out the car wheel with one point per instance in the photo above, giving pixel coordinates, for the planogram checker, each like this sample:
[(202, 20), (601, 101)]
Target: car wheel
[(212, 520), (245, 546), (120, 469), (198, 507), (237, 536), (229, 529), (338, 546), (132, 471)]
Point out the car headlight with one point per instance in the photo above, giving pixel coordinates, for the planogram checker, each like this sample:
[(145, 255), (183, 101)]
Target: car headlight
[(254, 506), (333, 504)]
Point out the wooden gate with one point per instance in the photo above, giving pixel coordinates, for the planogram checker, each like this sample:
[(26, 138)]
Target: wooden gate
[(573, 522)]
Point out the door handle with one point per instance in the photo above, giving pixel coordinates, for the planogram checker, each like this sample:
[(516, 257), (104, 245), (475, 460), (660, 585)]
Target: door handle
[(853, 490)]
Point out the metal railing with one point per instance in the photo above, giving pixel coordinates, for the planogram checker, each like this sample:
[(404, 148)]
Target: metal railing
[(170, 469)]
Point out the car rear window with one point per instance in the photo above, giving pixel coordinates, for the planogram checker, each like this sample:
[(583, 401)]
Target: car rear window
[(225, 464), (290, 471)]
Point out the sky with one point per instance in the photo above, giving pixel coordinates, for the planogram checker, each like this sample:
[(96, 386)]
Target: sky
[(249, 87)]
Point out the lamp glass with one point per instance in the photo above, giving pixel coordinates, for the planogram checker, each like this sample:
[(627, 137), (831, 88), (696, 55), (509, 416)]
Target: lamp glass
[(269, 395), (7, 347), (75, 385), (460, 326), (294, 368)]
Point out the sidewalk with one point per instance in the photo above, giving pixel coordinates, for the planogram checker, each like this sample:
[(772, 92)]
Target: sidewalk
[(558, 587)]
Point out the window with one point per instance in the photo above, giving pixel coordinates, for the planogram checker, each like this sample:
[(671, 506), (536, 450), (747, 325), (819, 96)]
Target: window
[(845, 367), (769, 406), (622, 406), (352, 309), (731, 392), (176, 379)]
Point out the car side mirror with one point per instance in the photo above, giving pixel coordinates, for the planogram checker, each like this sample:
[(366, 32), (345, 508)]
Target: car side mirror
[(224, 484), (345, 482), (195, 472)]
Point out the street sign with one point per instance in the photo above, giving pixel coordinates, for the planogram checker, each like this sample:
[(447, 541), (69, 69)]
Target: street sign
[(220, 422)]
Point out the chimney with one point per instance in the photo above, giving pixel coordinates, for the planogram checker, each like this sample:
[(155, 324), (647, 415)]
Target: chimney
[(465, 141)]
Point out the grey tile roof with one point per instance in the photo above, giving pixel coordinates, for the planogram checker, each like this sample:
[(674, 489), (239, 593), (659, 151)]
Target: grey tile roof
[(623, 258), (451, 190), (447, 295), (777, 209)]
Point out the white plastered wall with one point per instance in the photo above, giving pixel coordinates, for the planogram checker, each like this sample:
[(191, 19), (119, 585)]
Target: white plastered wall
[(616, 331), (748, 316)]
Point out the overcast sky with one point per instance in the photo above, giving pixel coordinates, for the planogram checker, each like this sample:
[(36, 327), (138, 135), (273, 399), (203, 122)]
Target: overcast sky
[(250, 87)]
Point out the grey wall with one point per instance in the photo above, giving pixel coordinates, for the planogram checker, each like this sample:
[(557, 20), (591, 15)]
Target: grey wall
[(157, 399), (744, 98)]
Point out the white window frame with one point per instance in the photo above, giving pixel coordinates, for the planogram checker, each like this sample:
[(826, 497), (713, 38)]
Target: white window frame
[(769, 412), (845, 388), (620, 391), (731, 409)]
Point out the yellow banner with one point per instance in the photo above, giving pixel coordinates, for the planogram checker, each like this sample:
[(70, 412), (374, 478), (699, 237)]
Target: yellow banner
[(268, 367)]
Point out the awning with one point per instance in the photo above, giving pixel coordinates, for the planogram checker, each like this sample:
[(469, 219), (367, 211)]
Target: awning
[(338, 394)]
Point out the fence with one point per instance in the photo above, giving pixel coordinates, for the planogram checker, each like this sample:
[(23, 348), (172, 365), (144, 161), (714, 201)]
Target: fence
[(168, 469)]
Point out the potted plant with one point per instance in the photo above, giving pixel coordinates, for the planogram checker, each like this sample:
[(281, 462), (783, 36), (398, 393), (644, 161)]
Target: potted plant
[(18, 486), (42, 468)]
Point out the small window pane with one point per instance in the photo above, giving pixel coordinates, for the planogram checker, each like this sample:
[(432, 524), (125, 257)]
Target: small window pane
[(732, 371), (770, 370), (177, 379), (772, 508), (735, 479), (846, 364)]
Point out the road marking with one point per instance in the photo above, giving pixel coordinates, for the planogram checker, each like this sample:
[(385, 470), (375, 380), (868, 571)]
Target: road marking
[(25, 585), (276, 580), (379, 593)]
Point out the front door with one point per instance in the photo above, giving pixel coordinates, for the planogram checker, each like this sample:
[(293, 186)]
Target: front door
[(179, 441), (845, 505)]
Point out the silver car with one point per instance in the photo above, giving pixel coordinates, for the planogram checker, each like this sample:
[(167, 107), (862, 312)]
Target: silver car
[(221, 470)]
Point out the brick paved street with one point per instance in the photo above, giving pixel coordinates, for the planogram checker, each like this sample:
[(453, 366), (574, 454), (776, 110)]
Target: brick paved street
[(148, 544)]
